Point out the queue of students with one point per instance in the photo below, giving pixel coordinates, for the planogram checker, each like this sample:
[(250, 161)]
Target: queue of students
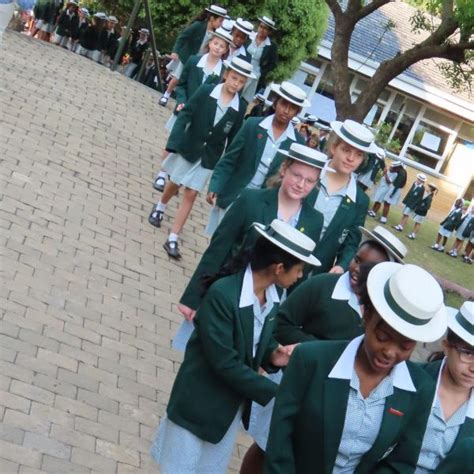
[(302, 321)]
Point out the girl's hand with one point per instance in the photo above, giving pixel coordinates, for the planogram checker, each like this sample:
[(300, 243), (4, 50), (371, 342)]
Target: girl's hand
[(187, 312), (281, 356), (174, 56), (337, 269), (211, 198), (179, 107)]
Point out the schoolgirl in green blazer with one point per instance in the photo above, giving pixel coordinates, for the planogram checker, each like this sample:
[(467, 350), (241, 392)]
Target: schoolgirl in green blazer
[(412, 200), (219, 376), (337, 196), (344, 407), (447, 443), (448, 224), (205, 125), (422, 209), (190, 41), (286, 201)]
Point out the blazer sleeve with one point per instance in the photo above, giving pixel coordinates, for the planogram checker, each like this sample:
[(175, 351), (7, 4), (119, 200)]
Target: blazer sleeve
[(183, 119), (216, 331), (349, 247), (185, 36), (229, 231), (279, 455), (181, 89), (229, 161), (294, 311)]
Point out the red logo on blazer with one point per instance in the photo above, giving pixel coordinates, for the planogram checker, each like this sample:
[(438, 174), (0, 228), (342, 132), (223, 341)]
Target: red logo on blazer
[(259, 136), (395, 412)]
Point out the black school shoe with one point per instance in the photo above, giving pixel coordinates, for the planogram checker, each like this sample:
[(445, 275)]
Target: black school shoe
[(155, 217), (172, 249)]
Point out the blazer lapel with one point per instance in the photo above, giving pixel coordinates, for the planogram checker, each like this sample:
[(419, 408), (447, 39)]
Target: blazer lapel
[(261, 140), (270, 208), (396, 405), (466, 431), (336, 393), (267, 332), (343, 210)]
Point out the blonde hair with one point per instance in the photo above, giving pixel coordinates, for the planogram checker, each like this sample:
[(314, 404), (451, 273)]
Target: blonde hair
[(275, 180)]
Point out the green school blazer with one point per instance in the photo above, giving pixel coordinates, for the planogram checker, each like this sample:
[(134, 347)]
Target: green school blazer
[(424, 205), (194, 135), (341, 240), (239, 164), (219, 372), (453, 220), (310, 409), (191, 79), (234, 233), (268, 61), (309, 313), (460, 460), (189, 40), (414, 196)]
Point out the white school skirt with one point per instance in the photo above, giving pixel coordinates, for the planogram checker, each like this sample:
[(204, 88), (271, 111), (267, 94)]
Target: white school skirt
[(175, 68), (394, 198), (419, 219), (191, 175), (408, 211), (444, 232), (381, 191), (178, 451), (215, 217), (261, 416), (365, 179), (461, 229)]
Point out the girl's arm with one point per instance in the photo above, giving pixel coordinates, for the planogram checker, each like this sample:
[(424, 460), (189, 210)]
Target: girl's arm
[(215, 323), (182, 87), (229, 234)]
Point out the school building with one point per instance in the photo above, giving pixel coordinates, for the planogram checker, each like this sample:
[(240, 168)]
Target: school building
[(431, 128)]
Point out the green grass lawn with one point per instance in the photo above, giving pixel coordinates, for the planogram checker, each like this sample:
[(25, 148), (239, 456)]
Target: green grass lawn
[(419, 253)]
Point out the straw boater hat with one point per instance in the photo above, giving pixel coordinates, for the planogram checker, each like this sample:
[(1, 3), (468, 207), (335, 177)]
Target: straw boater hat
[(291, 93), (228, 24), (241, 66), (461, 322), (310, 119), (355, 134), (84, 11), (396, 163), (380, 153), (393, 245), (267, 21), (217, 10), (223, 34), (144, 31), (244, 26), (421, 177), (289, 239), (295, 121), (101, 15), (305, 154), (113, 19), (409, 300)]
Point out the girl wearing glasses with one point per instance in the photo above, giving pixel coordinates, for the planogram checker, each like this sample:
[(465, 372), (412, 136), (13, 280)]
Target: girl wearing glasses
[(448, 441), (285, 201)]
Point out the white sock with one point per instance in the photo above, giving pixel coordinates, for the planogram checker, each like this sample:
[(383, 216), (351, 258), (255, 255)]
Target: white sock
[(160, 207), (167, 95), (162, 174), (173, 237)]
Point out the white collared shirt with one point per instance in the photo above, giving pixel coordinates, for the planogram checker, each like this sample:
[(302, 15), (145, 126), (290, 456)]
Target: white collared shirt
[(256, 52), (440, 434), (221, 109), (234, 53), (248, 298), (328, 203), (202, 63), (363, 417), (271, 147), (343, 291)]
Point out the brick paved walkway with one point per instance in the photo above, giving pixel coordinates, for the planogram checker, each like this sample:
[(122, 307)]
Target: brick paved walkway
[(87, 293)]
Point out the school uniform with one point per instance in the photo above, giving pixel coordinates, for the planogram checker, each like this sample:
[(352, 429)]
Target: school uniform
[(444, 446), (450, 223), (240, 52), (413, 198), (394, 191), (263, 58), (190, 41), (89, 41), (67, 23), (241, 166), (235, 234), (136, 51), (232, 339), (466, 226), (344, 211), (421, 210), (194, 74), (201, 132), (321, 423), (321, 307)]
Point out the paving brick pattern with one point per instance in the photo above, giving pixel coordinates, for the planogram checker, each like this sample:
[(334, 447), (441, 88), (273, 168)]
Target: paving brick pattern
[(88, 294)]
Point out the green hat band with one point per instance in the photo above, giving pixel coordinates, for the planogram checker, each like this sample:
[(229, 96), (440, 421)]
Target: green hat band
[(354, 138), (464, 323), (287, 243)]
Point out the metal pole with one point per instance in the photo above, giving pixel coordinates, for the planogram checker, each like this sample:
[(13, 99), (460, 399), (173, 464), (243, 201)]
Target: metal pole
[(143, 65), (153, 43), (124, 37)]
